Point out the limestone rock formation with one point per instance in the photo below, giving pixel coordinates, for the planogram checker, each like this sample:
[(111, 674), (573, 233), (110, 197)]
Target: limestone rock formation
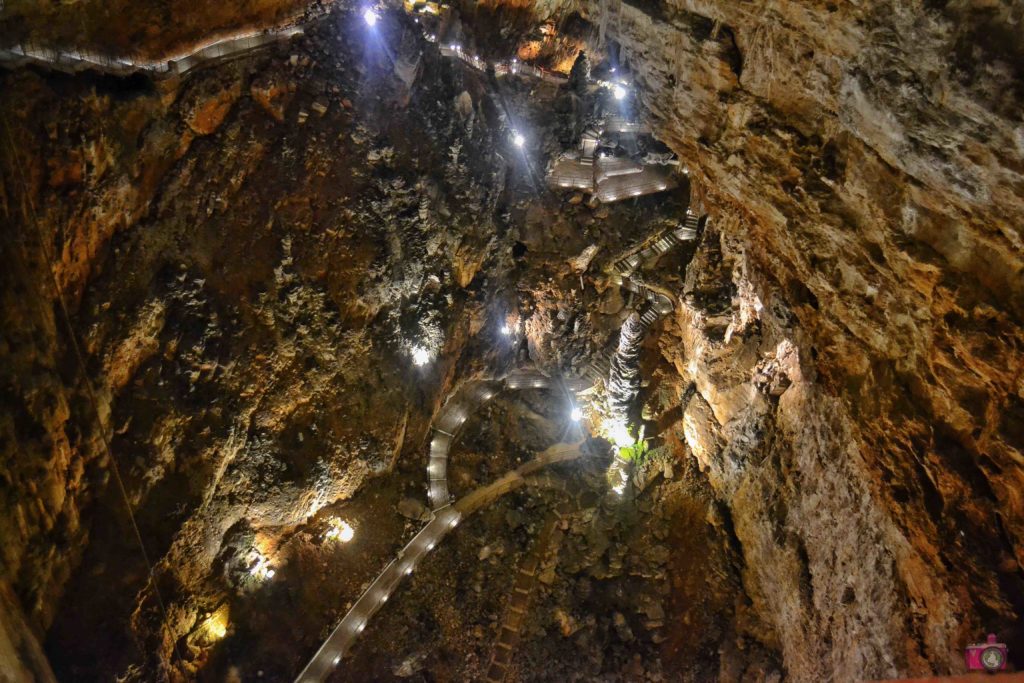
[(233, 302)]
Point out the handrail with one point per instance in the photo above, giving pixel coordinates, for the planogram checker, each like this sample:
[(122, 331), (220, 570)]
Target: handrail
[(442, 521), (74, 59)]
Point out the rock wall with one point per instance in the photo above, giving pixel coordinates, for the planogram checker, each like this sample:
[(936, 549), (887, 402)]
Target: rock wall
[(854, 332), (248, 258)]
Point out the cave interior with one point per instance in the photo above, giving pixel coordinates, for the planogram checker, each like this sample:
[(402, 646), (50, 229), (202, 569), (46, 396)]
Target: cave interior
[(565, 341)]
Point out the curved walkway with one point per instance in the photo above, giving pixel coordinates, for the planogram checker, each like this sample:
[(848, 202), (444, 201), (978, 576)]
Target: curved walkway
[(660, 301), (466, 400), (453, 415), (74, 60), (652, 248), (443, 521), (514, 67)]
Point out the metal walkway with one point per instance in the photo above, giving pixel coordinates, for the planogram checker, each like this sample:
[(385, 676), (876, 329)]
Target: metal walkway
[(75, 60), (462, 403), (650, 249), (513, 67), (442, 522)]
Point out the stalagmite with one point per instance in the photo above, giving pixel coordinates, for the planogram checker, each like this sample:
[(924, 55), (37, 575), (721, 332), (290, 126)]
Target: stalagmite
[(624, 376)]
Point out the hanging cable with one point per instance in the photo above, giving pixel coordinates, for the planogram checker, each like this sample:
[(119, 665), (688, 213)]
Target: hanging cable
[(90, 390)]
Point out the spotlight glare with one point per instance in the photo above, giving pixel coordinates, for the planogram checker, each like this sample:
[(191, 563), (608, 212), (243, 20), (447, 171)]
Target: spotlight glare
[(420, 356), (619, 92), (370, 17), (506, 330), (576, 414), (619, 434), (340, 530), (518, 139)]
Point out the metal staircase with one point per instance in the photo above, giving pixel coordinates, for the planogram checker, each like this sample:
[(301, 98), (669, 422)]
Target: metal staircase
[(686, 232)]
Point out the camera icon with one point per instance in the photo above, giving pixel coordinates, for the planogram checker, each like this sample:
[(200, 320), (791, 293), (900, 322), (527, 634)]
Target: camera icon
[(987, 656)]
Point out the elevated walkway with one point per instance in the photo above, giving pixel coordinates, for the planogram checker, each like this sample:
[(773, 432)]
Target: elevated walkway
[(509, 68), (618, 124), (657, 246), (461, 404), (75, 60), (443, 521), (610, 179), (650, 180)]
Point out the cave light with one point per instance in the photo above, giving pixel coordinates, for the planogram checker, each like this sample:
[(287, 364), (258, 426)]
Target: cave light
[(618, 432), (370, 17), (420, 356), (216, 626), (217, 630), (576, 415), (262, 568), (518, 138), (506, 330), (336, 661), (619, 92), (339, 530)]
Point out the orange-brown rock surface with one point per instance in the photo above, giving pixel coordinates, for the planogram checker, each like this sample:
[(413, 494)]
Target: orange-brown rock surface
[(249, 256), (861, 164)]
